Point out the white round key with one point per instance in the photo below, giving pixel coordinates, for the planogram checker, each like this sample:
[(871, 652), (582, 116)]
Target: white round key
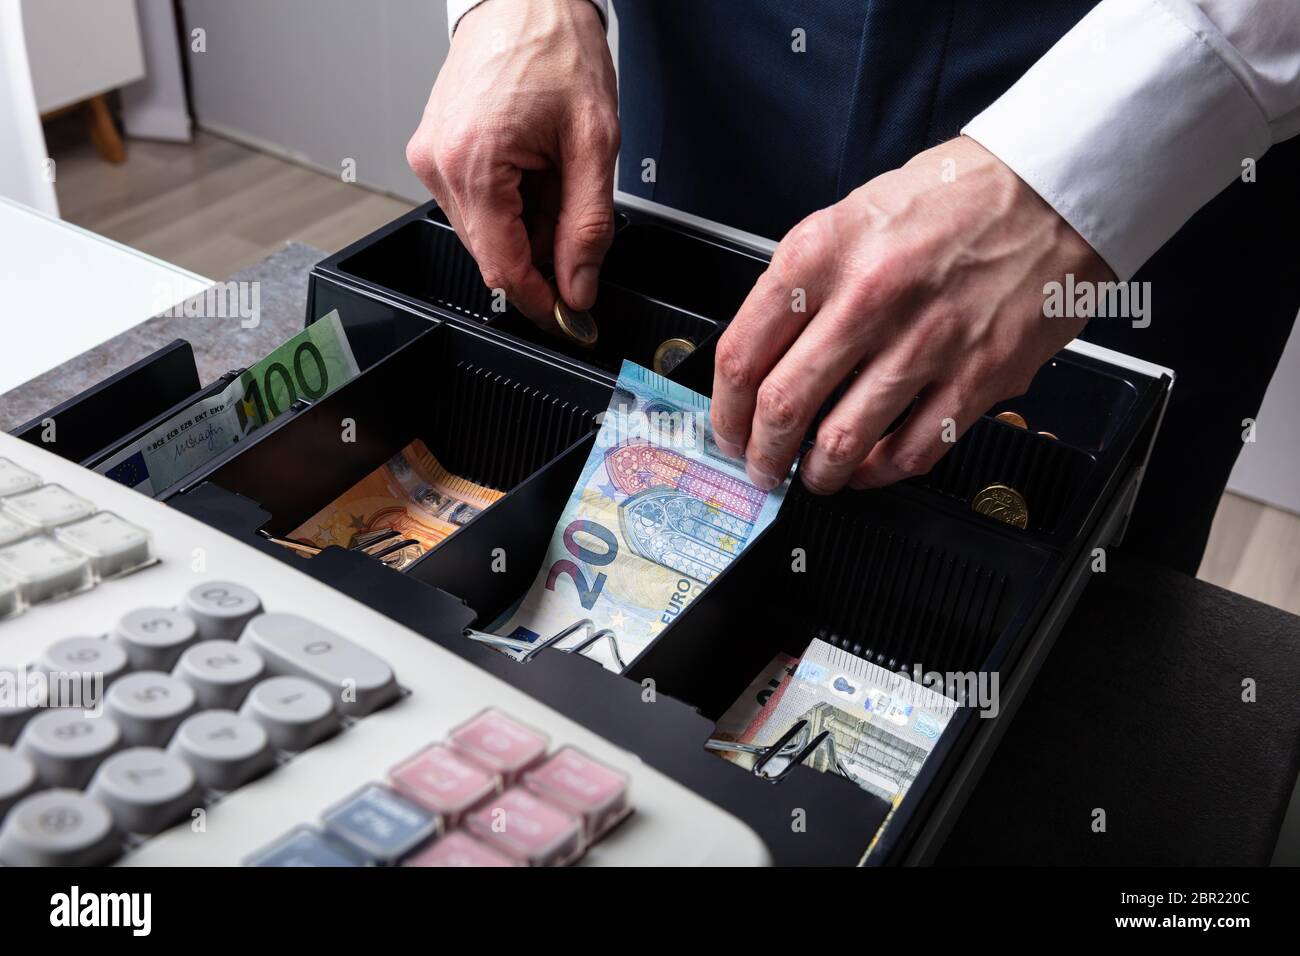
[(221, 673), (17, 778), (220, 609), (146, 790), (224, 750), (155, 637), (148, 707), (83, 666), (65, 746), (295, 713), (23, 697), (58, 828)]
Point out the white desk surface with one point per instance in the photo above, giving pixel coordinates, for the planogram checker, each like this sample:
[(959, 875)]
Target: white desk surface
[(66, 290)]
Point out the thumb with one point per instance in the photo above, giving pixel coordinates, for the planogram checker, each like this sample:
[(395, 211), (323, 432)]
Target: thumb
[(585, 227)]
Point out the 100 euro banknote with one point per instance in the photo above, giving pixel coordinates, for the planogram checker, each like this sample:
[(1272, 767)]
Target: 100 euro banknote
[(658, 512), (310, 365)]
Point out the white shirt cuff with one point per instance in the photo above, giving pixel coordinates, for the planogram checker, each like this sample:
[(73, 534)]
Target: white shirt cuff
[(458, 8), (1127, 126)]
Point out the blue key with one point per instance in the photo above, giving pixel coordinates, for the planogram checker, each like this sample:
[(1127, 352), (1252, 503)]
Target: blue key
[(303, 846), (379, 823)]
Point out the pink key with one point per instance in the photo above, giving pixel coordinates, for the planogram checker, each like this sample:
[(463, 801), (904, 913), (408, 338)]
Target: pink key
[(443, 781), (500, 744), (459, 849), (528, 829), (575, 782)]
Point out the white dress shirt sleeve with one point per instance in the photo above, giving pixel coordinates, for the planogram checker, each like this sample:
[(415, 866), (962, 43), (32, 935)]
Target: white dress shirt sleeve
[(1145, 111), (458, 8)]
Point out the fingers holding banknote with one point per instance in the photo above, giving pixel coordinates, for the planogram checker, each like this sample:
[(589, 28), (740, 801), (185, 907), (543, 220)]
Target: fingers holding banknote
[(922, 294), (517, 144)]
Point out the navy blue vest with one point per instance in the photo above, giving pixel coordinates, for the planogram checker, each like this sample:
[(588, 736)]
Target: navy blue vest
[(747, 131)]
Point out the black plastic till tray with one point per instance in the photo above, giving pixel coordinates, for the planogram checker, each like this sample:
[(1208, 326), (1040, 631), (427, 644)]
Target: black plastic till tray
[(902, 576)]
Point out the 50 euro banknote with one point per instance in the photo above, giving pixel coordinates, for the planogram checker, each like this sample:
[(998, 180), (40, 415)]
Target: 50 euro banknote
[(411, 494), (658, 512)]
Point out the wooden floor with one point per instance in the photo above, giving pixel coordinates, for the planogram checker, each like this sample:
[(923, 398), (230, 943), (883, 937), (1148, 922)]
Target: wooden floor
[(213, 207), (216, 206)]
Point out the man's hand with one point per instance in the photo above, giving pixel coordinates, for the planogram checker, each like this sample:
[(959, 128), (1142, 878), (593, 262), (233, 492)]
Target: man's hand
[(518, 143), (928, 281)]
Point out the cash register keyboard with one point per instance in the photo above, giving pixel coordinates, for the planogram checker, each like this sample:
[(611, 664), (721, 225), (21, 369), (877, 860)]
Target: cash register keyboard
[(170, 696)]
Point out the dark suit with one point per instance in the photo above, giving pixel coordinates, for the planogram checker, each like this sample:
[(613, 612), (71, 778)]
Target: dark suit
[(748, 132)]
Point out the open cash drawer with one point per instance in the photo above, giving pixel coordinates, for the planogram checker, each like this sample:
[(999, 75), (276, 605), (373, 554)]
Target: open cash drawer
[(906, 576)]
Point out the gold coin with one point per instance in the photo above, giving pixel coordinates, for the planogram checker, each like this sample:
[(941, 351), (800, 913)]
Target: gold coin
[(1003, 503), (1049, 435), (671, 353), (1011, 418), (577, 325)]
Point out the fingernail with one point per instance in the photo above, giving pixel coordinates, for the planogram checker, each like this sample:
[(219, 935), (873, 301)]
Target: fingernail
[(586, 280), (727, 448), (761, 481)]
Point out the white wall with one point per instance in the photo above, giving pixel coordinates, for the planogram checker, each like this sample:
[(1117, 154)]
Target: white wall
[(320, 81), (1269, 468), (22, 147)]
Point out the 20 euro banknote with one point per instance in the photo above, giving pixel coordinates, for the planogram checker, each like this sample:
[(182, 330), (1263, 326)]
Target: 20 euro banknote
[(658, 512)]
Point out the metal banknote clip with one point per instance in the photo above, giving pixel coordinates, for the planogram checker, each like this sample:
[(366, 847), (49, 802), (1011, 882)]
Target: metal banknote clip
[(378, 545), (528, 651), (793, 746)]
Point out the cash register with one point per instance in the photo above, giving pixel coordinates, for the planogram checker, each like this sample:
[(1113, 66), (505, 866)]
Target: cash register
[(243, 704)]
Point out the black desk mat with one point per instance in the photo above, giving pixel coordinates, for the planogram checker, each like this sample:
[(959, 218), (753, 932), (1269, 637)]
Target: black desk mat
[(1138, 710)]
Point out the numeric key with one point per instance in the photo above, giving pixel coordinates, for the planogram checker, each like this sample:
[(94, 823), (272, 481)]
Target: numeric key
[(58, 828), (21, 699), (224, 750), (295, 713), (145, 789), (220, 609), (359, 682), (65, 746), (148, 706), (17, 778), (155, 637), (80, 668), (221, 673)]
